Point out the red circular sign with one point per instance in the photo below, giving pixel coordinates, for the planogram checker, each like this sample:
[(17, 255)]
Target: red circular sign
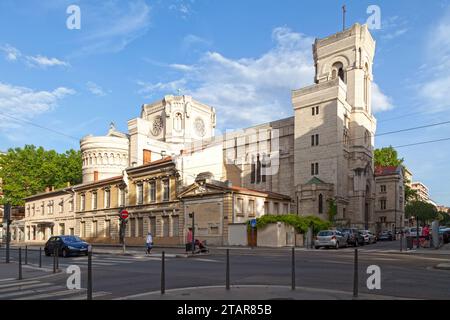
[(124, 214)]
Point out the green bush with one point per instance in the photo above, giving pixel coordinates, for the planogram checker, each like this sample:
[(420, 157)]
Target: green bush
[(300, 223)]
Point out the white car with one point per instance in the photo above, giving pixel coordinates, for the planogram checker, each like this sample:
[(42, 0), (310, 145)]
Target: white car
[(368, 236)]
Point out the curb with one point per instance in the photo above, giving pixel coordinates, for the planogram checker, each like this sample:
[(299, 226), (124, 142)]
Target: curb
[(443, 266)]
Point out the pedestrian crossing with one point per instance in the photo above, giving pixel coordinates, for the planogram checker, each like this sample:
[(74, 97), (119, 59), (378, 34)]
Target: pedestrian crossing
[(41, 290), (105, 261)]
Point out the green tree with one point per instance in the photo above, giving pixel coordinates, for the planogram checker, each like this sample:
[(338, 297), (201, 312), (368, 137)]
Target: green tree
[(422, 210), (387, 157), (29, 170)]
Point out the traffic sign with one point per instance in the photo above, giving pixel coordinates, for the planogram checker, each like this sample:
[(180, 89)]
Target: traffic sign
[(253, 223), (124, 214)]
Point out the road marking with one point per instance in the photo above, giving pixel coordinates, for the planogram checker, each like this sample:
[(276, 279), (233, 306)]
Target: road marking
[(26, 287), (23, 293), (204, 260), (53, 294), (17, 283), (5, 280), (94, 295)]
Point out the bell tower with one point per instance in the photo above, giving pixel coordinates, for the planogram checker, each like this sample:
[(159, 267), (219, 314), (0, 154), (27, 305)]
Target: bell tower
[(349, 56), (335, 128)]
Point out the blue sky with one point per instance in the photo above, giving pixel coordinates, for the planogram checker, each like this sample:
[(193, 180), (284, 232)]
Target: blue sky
[(243, 57)]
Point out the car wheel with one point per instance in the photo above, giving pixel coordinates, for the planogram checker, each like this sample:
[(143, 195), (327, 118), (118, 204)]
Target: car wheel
[(47, 254), (317, 247), (65, 253)]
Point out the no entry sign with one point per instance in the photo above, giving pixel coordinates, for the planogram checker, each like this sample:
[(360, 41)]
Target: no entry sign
[(124, 214)]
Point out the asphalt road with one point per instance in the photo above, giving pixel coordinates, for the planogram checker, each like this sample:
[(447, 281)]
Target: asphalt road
[(116, 276)]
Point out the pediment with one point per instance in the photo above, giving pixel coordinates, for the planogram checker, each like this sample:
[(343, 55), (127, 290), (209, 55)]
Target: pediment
[(200, 189)]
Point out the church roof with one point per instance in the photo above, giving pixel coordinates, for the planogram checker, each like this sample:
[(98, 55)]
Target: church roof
[(387, 170), (315, 180)]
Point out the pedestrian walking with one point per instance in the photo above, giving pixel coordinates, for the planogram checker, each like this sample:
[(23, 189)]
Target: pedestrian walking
[(149, 243)]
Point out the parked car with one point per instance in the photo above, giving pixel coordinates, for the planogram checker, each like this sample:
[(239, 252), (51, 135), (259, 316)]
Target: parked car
[(369, 237), (66, 246), (386, 235), (330, 239), (354, 237)]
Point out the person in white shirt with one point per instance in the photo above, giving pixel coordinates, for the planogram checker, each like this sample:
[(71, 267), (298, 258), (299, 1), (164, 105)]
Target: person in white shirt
[(149, 243)]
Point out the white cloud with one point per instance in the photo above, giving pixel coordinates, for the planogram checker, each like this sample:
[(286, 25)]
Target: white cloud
[(44, 62), (393, 27), (249, 90), (115, 25), (191, 40), (11, 53), (380, 102), (14, 54), (95, 89), (25, 103), (183, 8), (181, 67)]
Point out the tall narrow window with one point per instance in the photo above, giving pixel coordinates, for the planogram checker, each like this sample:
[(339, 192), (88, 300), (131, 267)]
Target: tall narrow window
[(152, 191), (251, 208), (166, 190), (139, 194), (258, 170), (107, 198), (320, 203), (312, 169), (316, 168), (94, 200), (83, 202), (314, 140), (253, 171), (121, 199)]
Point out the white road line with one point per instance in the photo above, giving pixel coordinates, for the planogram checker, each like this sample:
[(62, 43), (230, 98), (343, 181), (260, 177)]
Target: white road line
[(26, 292), (204, 260), (25, 287), (94, 295), (17, 283), (5, 280), (53, 294)]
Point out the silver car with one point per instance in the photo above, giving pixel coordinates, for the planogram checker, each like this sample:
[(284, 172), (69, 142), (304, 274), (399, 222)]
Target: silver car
[(330, 239)]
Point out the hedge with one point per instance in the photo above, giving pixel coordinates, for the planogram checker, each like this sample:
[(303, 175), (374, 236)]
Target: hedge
[(300, 223)]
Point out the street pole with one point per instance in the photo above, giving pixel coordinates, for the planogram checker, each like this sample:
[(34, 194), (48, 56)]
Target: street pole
[(54, 260), (40, 257), (293, 269), (417, 232), (355, 275), (7, 215), (89, 285), (193, 232), (163, 273), (26, 254), (20, 263), (227, 272)]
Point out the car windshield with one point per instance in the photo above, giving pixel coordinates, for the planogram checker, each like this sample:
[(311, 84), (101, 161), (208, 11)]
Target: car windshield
[(71, 239), (325, 233)]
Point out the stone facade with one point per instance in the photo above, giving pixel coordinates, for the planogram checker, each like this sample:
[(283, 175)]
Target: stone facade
[(390, 199)]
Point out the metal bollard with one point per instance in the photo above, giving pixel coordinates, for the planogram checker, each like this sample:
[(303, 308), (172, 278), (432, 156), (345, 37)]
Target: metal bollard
[(20, 263), (163, 273), (57, 259), (401, 242), (355, 275), (293, 269), (54, 260), (40, 257), (26, 255), (228, 270), (89, 285)]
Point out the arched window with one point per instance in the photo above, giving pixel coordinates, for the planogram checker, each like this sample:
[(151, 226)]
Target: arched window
[(320, 203), (178, 122), (337, 70)]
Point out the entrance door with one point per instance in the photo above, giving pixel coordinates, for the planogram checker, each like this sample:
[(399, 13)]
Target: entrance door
[(252, 237)]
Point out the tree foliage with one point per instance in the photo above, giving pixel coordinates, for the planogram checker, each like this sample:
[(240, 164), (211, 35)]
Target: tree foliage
[(424, 211), (301, 224), (387, 157), (29, 170)]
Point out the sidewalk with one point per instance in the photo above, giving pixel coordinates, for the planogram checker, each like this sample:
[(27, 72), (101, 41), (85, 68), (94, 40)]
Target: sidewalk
[(10, 271), (255, 292)]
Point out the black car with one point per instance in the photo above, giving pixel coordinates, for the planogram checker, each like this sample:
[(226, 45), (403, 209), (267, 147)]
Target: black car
[(354, 237), (66, 245), (386, 235)]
